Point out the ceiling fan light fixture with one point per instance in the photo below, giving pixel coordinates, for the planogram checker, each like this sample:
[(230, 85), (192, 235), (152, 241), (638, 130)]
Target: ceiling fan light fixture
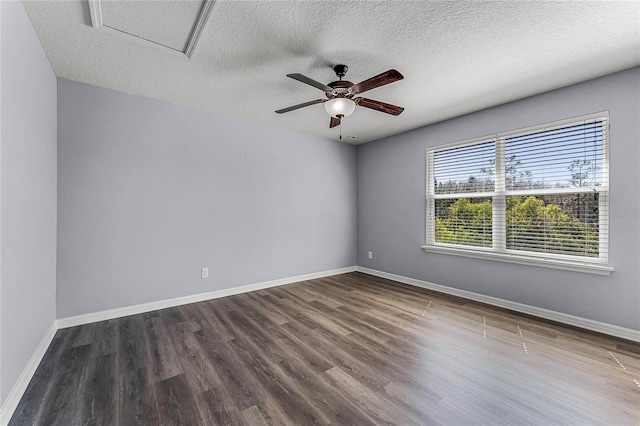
[(340, 107)]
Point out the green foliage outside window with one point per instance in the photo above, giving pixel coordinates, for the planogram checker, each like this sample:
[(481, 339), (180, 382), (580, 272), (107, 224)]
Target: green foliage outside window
[(552, 224), (547, 223), (464, 221)]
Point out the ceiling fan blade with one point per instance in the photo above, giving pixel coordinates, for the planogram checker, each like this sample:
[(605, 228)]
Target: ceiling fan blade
[(311, 82), (379, 106), (377, 81), (294, 107), (334, 122)]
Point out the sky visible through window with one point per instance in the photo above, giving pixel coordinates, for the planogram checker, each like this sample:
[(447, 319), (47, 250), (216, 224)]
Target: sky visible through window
[(562, 158)]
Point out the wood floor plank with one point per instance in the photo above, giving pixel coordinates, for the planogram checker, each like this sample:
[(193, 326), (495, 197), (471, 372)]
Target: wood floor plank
[(285, 344), (137, 403), (267, 309), (629, 347), (192, 315), (195, 364), (61, 408), (358, 369), (81, 335), (107, 336), (217, 409), (176, 405), (137, 399), (242, 387), (341, 350), (293, 314), (163, 360), (309, 295), (272, 413), (380, 410), (259, 338), (352, 323), (132, 349), (340, 410), (171, 315), (253, 416), (215, 320), (99, 393), (31, 408), (297, 408)]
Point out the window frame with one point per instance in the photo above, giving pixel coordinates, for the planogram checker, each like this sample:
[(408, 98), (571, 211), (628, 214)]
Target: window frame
[(499, 251)]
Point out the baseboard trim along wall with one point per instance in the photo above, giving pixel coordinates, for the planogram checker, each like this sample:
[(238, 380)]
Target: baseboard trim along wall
[(169, 303), (600, 327), (20, 387)]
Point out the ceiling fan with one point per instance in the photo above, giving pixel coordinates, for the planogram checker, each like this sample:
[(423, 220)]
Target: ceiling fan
[(342, 95)]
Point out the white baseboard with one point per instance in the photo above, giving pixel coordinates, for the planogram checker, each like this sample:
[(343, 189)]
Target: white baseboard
[(169, 303), (11, 403), (600, 327)]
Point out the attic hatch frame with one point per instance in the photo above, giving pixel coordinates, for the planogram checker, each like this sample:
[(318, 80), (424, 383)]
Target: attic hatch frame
[(95, 10)]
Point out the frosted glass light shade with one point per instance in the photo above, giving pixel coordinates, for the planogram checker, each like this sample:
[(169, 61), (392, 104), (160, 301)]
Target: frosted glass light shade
[(339, 107)]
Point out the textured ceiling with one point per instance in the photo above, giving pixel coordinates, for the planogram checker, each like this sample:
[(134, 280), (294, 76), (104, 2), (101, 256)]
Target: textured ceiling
[(457, 57)]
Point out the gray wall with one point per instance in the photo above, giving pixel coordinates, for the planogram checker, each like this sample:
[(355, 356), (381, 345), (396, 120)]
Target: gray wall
[(149, 192), (28, 194), (391, 206)]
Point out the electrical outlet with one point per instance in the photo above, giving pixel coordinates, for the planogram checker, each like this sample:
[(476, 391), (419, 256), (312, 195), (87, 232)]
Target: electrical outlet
[(204, 273), (370, 255)]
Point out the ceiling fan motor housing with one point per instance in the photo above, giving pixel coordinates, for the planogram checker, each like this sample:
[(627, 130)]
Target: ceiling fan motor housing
[(340, 88)]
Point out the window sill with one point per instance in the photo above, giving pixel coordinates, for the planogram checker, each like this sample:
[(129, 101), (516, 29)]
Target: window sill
[(589, 268)]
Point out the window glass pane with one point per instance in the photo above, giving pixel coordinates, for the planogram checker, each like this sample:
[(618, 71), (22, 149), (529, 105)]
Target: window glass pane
[(541, 192), (561, 223), (465, 169), (464, 221), (568, 157)]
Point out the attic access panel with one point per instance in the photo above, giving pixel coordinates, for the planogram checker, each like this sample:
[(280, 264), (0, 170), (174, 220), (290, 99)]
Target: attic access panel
[(171, 26)]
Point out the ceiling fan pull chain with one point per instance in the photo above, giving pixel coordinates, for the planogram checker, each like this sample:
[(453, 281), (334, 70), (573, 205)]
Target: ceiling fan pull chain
[(340, 129)]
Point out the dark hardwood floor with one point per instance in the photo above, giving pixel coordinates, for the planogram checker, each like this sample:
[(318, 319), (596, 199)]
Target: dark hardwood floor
[(350, 349)]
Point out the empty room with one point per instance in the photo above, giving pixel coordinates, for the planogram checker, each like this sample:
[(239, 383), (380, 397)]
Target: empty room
[(319, 212)]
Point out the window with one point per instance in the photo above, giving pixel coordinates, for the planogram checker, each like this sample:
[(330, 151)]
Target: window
[(537, 196)]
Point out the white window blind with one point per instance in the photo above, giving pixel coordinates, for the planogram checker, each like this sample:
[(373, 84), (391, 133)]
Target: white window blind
[(463, 209), (539, 193)]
